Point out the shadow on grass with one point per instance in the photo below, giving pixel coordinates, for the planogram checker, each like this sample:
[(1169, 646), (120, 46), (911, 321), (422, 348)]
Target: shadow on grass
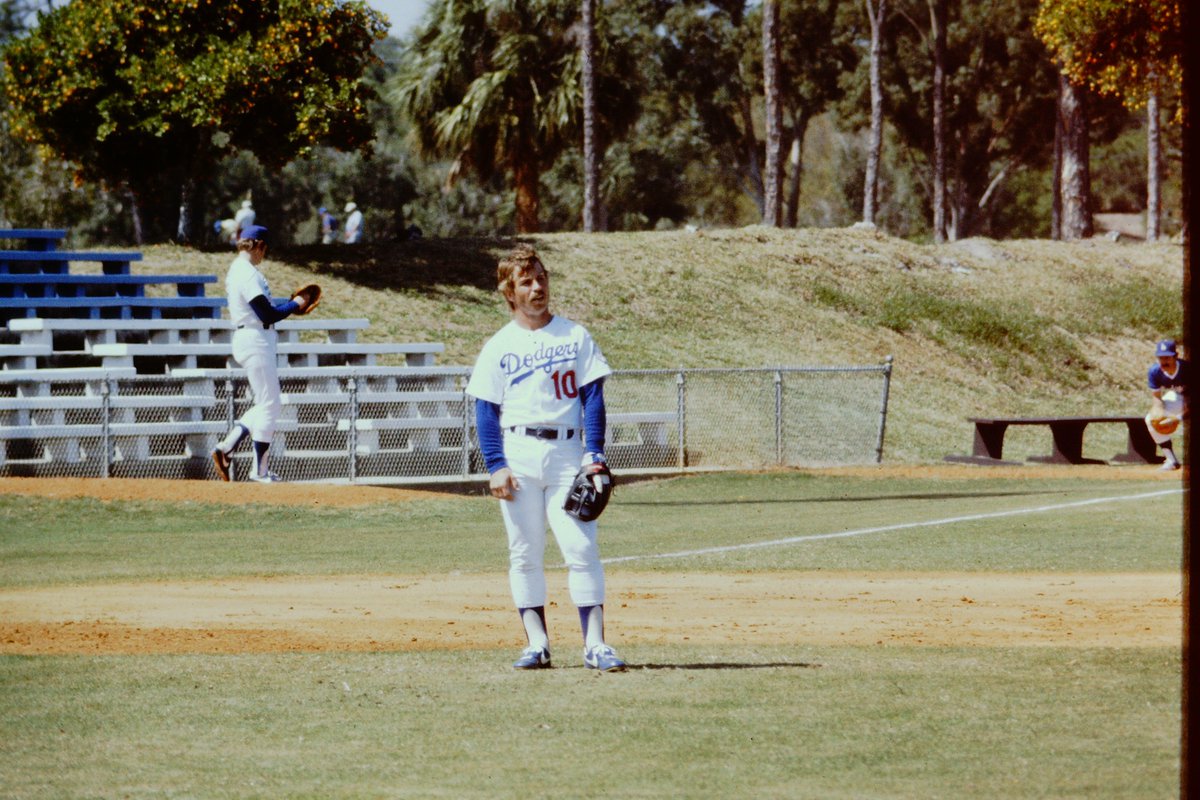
[(854, 499), (419, 266), (727, 665)]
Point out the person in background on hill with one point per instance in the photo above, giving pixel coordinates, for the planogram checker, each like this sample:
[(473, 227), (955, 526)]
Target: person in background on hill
[(1168, 378), (255, 341), (244, 218), (539, 410), (329, 225), (353, 229)]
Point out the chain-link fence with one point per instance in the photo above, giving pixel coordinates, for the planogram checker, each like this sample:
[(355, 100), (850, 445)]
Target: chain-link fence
[(416, 424)]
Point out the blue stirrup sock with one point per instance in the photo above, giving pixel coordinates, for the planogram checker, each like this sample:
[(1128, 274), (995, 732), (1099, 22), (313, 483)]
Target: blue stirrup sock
[(262, 452), (591, 619), (534, 620)]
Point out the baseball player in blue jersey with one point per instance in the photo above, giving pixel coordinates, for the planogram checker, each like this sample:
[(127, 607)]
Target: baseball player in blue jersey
[(539, 408), (253, 314), (1168, 380)]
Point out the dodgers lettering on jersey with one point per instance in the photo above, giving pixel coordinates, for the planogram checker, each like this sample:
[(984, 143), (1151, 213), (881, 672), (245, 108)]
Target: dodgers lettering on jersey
[(243, 283), (534, 376), (1158, 379)]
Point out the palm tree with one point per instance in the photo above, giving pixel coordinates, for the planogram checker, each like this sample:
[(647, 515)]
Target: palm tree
[(495, 86)]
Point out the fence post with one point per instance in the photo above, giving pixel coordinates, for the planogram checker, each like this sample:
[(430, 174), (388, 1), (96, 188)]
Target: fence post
[(352, 433), (887, 380), (681, 417), (779, 417), (466, 433), (105, 433)]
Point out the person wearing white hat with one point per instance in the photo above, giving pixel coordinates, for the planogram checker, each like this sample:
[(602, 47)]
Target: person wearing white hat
[(243, 219), (354, 219)]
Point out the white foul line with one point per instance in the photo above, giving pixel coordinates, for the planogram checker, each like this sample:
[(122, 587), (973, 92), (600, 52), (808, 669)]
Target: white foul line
[(886, 528)]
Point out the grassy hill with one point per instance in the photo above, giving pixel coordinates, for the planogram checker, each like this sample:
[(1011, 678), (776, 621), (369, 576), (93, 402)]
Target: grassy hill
[(977, 327)]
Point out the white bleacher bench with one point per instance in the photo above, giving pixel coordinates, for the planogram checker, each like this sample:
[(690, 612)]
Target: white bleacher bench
[(23, 356), (131, 441), (38, 381), (424, 432), (367, 396), (203, 330), (290, 354), (652, 427)]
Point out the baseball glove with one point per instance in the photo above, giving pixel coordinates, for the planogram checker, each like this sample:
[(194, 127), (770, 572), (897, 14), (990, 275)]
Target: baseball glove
[(312, 297), (1165, 425), (590, 490)]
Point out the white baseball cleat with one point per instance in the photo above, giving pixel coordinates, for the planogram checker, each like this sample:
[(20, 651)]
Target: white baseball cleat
[(533, 658), (603, 658), (270, 477)]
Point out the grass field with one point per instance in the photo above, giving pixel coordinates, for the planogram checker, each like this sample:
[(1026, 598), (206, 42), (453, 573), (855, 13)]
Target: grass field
[(964, 689)]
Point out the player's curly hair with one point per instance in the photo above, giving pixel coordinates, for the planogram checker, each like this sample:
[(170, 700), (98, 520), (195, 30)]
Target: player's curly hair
[(522, 257)]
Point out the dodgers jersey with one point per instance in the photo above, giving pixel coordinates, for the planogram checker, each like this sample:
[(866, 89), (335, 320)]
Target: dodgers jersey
[(243, 283), (1157, 379), (534, 376)]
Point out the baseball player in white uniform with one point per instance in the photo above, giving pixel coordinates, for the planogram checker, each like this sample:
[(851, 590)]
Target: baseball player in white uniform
[(253, 315), (539, 389)]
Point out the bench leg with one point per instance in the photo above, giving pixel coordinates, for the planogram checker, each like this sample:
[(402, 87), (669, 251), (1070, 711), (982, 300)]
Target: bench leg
[(989, 439), (1068, 442), (1141, 447)]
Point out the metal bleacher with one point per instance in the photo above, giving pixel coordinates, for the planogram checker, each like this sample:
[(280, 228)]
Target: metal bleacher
[(96, 378)]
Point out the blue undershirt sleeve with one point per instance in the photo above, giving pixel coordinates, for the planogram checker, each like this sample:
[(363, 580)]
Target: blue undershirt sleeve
[(491, 441), (595, 417), (270, 314)]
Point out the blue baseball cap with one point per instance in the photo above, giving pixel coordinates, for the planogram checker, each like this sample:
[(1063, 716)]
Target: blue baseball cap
[(257, 232), (1166, 348)]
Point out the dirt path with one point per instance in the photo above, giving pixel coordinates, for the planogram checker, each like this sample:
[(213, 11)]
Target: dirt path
[(472, 611), (391, 613)]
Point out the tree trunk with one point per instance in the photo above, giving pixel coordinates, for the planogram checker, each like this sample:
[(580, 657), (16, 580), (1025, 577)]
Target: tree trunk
[(187, 211), (876, 15), (773, 181), (754, 177), (1153, 169), (591, 161), (937, 19), (1056, 204), (799, 129), (135, 217), (1076, 178)]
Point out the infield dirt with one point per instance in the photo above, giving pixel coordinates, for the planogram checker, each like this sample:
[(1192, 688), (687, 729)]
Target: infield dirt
[(390, 613)]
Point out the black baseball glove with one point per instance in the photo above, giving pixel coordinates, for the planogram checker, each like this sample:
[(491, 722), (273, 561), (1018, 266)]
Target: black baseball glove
[(590, 490)]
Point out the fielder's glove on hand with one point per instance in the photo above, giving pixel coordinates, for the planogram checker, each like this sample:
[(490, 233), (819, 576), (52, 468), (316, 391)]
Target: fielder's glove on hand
[(590, 490), (1165, 425), (312, 297)]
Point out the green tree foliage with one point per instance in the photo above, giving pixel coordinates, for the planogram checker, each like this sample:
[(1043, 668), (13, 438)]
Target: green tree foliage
[(495, 87), (149, 94), (1000, 95)]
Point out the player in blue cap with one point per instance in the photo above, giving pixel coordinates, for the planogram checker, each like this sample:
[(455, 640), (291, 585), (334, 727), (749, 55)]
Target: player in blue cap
[(1168, 378), (255, 341)]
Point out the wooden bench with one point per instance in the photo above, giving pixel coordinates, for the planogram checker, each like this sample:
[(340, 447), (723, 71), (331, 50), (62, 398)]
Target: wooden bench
[(29, 286), (58, 262), (45, 240), (1067, 437)]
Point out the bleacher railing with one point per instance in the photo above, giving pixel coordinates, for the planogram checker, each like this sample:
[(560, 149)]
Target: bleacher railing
[(416, 425)]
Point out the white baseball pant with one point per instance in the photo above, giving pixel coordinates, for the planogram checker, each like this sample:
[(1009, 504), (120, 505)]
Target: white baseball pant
[(255, 350), (544, 471)]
